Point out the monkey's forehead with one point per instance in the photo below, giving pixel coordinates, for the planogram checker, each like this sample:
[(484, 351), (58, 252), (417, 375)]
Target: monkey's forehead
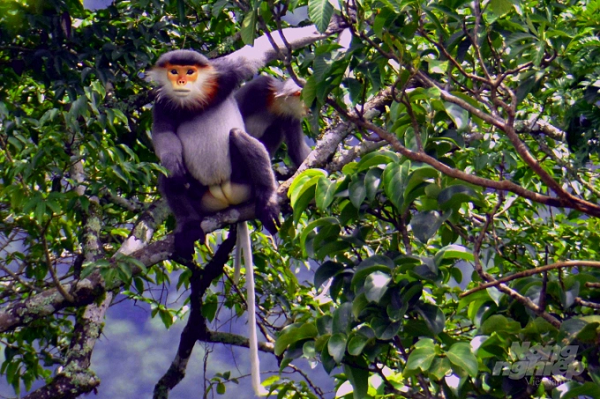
[(181, 57)]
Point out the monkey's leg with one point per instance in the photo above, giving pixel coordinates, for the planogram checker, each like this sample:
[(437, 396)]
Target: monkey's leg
[(188, 229), (272, 138), (250, 157), (297, 148)]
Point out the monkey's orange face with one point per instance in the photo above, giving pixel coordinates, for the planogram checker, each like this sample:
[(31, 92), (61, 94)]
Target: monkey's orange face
[(187, 86), (182, 78)]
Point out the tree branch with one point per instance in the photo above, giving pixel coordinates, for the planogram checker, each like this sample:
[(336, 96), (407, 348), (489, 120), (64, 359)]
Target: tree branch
[(531, 272), (504, 185)]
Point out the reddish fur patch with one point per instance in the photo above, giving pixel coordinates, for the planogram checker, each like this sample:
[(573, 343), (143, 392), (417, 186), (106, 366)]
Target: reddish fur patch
[(211, 86), (271, 105)]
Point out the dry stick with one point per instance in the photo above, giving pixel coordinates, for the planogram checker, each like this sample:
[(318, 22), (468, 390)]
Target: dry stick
[(196, 328), (68, 297), (588, 304), (531, 272)]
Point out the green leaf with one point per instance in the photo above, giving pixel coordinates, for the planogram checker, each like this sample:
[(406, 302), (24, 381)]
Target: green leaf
[(327, 270), (460, 355), (358, 191), (359, 304), (308, 350), (372, 182), (359, 378), (499, 323), (327, 360), (248, 31), (328, 221), (376, 285), (500, 7), (572, 389), (181, 11), (421, 357), (394, 177), (419, 176), (425, 224), (303, 181), (356, 344), (342, 318), (303, 201), (434, 317), (210, 306), (325, 193), (459, 115), (221, 388), (337, 346), (359, 278), (440, 367), (453, 252), (384, 328), (375, 159), (324, 324), (294, 333), (457, 194), (320, 12)]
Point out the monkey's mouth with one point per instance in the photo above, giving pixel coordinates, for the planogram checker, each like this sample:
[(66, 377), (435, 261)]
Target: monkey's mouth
[(181, 92)]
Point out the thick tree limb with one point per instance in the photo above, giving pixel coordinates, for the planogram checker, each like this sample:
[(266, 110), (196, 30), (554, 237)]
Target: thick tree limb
[(540, 127), (84, 292), (76, 378)]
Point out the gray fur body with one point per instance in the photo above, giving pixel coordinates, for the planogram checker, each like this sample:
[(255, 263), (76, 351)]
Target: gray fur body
[(200, 140), (273, 113), (256, 124), (205, 142)]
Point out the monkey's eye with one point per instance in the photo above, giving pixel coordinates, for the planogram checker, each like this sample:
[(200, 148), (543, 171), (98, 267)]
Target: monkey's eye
[(190, 71), (173, 71)]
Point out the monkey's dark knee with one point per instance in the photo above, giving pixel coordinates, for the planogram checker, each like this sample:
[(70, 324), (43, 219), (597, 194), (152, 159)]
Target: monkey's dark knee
[(185, 238)]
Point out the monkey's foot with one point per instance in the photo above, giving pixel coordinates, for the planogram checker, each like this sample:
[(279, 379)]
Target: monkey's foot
[(185, 238), (268, 213)]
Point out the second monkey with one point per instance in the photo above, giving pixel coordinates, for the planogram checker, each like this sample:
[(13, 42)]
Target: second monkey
[(273, 112)]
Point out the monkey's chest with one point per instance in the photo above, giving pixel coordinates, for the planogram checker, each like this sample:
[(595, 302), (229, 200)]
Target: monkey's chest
[(205, 142)]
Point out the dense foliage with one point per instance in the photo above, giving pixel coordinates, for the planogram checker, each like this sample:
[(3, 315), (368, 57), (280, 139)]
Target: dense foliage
[(449, 211)]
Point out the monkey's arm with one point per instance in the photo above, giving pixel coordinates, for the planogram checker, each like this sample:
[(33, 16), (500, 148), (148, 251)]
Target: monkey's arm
[(255, 159), (297, 148), (167, 145), (249, 59)]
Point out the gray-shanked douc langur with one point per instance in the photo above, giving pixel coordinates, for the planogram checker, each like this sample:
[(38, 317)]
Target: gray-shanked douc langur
[(198, 135), (273, 111), (212, 163)]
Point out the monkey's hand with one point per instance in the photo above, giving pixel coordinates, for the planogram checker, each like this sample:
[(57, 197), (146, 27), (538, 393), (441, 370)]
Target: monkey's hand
[(174, 165), (267, 211), (177, 178)]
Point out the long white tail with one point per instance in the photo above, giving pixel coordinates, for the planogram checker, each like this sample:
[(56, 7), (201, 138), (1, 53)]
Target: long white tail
[(245, 245), (237, 256)]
